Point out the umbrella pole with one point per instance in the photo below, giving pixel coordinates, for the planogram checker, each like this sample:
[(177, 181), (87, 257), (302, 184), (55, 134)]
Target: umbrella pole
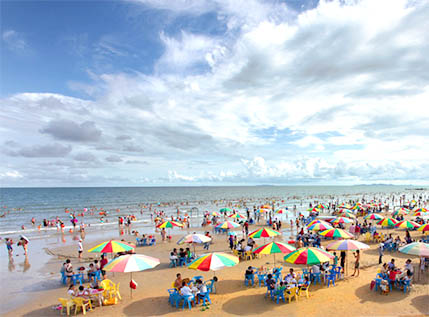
[(274, 260), (131, 290)]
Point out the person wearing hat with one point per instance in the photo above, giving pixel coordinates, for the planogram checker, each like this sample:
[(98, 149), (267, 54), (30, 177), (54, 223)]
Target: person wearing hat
[(380, 252)]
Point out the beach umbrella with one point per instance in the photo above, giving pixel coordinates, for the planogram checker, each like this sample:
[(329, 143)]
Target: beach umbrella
[(131, 263), (387, 222), (273, 248), (216, 214), (321, 206), (424, 227), (237, 216), (419, 210), (347, 213), (400, 212), (336, 233), (112, 246), (261, 210), (416, 248), (341, 220), (170, 224), (223, 210), (407, 224), (421, 213), (194, 238), (266, 207), (347, 245), (372, 216), (313, 222), (314, 209), (228, 225), (319, 226), (264, 233), (308, 256), (213, 262), (281, 211)]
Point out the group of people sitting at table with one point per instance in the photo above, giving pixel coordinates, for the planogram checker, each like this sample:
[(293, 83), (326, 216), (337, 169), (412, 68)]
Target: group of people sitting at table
[(181, 257), (92, 270), (195, 288), (391, 275)]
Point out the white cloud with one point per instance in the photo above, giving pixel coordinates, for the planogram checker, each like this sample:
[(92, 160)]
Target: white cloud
[(336, 92), (14, 41)]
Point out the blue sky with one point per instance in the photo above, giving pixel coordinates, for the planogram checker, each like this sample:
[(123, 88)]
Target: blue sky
[(154, 92)]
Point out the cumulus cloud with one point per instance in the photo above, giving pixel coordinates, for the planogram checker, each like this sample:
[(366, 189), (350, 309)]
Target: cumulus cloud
[(48, 150), (338, 91), (113, 159), (71, 131), (85, 157)]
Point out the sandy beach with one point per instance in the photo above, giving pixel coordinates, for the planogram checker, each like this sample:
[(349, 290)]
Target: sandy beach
[(350, 296)]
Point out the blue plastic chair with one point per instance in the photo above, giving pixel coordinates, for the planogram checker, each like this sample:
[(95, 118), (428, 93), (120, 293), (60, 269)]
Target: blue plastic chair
[(173, 296), (210, 286), (63, 278), (330, 278), (173, 263), (205, 297), (317, 278), (270, 292), (261, 279), (406, 285), (377, 283), (187, 300), (78, 278), (280, 294), (98, 276), (337, 272), (249, 278)]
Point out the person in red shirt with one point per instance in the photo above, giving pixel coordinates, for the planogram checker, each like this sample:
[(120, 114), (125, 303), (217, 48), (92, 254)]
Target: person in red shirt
[(103, 262)]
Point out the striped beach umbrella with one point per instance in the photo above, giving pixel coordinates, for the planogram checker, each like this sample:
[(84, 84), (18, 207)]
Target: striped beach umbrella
[(321, 206), (420, 210), (112, 246), (262, 210), (401, 212), (319, 226), (308, 256), (347, 213), (421, 213), (341, 220), (266, 207), (373, 216), (131, 263), (407, 224), (336, 233), (387, 222), (213, 261), (273, 248), (228, 225), (314, 209), (264, 233), (216, 214), (416, 248), (347, 245), (281, 211), (194, 238), (424, 227), (170, 224), (237, 216)]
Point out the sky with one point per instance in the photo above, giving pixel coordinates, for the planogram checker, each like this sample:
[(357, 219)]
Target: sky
[(214, 92)]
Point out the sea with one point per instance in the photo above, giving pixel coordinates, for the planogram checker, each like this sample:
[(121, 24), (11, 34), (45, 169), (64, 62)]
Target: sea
[(20, 205)]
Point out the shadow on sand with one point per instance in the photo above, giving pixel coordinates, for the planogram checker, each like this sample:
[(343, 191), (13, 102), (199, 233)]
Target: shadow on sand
[(421, 303), (152, 306), (255, 305), (366, 295)]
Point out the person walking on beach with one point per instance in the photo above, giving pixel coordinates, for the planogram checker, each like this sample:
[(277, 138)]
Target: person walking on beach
[(357, 259), (9, 247), (80, 249), (343, 259), (380, 253)]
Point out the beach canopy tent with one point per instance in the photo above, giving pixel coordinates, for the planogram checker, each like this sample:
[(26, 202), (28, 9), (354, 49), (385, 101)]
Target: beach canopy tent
[(131, 263), (112, 246)]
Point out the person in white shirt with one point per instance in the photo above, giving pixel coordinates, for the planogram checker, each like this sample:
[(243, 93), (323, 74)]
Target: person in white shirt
[(185, 290), (409, 266), (80, 248), (315, 269)]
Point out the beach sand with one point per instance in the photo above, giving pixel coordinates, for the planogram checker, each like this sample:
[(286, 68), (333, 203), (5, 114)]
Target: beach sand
[(350, 296)]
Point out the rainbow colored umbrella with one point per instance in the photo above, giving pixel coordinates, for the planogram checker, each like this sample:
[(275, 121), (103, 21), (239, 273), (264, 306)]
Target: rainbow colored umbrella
[(237, 216), (318, 221), (264, 233), (336, 233), (387, 222), (266, 207), (421, 213), (261, 210), (213, 261), (112, 246), (131, 263), (400, 212), (347, 213), (416, 248), (314, 209), (319, 226), (228, 225), (347, 245), (407, 224), (420, 210), (216, 214), (308, 256), (321, 206), (223, 210), (372, 216), (341, 220), (424, 227), (281, 211), (273, 248), (170, 224)]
